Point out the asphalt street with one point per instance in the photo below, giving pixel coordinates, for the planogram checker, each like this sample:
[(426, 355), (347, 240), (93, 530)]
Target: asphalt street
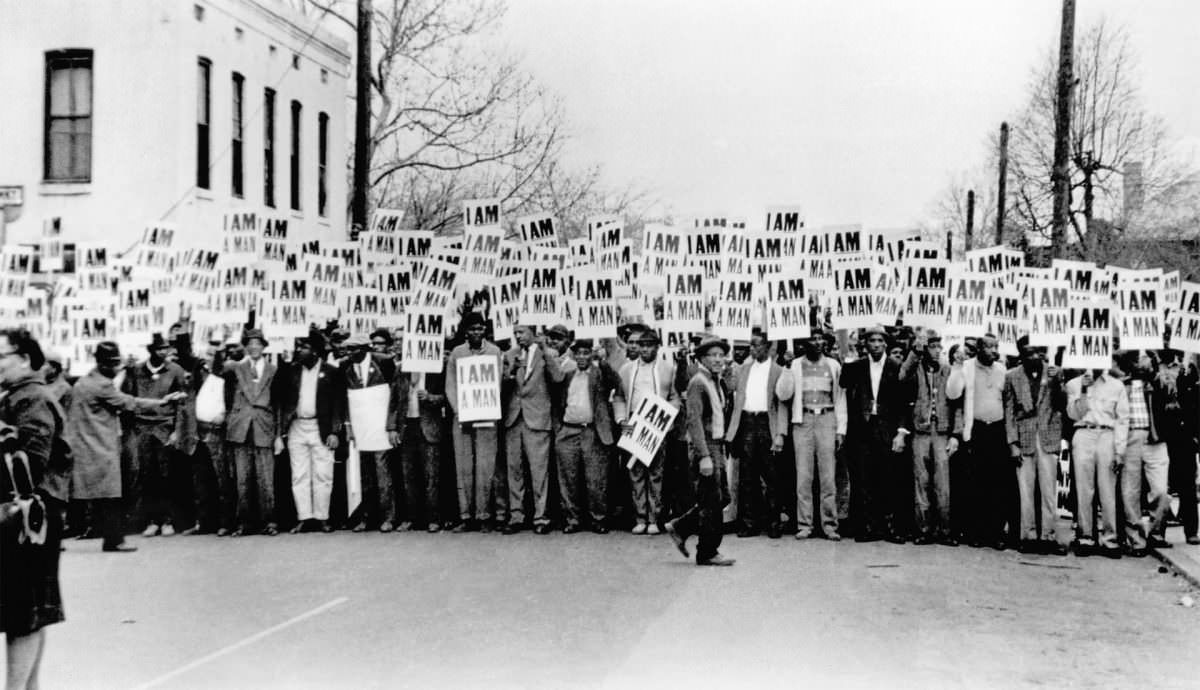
[(615, 611)]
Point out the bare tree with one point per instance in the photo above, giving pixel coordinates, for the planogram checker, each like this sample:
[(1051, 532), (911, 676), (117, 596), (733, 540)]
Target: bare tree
[(1110, 128)]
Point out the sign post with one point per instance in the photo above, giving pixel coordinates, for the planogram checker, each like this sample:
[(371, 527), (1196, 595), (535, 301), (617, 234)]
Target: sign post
[(12, 198)]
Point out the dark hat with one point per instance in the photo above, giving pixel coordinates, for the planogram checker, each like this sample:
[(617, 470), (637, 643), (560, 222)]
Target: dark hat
[(356, 341), (383, 333), (708, 344), (874, 330), (473, 318), (157, 342), (107, 352), (581, 344), (252, 334), (315, 340), (932, 337), (741, 343), (649, 336), (558, 330), (339, 334), (627, 329)]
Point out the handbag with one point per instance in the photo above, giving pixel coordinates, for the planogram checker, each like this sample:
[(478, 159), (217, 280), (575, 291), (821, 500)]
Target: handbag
[(24, 504)]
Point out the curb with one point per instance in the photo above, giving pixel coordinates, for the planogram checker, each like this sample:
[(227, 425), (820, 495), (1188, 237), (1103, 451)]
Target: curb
[(1176, 564)]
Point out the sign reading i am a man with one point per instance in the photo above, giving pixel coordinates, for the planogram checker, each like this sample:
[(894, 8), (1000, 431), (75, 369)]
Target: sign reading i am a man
[(478, 389)]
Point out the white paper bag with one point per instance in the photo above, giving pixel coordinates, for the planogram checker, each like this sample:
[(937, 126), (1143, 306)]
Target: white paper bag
[(210, 401)]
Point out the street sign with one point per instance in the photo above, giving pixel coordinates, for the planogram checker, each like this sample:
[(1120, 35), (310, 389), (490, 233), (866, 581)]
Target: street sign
[(12, 195)]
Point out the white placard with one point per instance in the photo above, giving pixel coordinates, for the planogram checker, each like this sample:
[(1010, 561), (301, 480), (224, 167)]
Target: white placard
[(1140, 314), (421, 350), (853, 296), (1050, 313), (368, 417), (650, 424), (1090, 341), (478, 389), (787, 308)]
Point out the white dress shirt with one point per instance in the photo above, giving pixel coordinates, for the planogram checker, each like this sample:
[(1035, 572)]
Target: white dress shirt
[(306, 406), (414, 401), (876, 368), (757, 398)]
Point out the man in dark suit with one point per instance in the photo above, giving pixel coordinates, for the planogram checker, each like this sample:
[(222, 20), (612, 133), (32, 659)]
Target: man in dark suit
[(250, 429), (417, 418), (757, 428), (875, 404), (584, 438), (530, 369), (311, 413), (1034, 401), (364, 369)]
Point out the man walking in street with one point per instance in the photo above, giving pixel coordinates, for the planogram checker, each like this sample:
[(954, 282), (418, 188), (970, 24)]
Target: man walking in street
[(1034, 401), (250, 429), (475, 443), (1146, 458), (585, 435), (818, 417), (1177, 427), (931, 423), (757, 428), (93, 432), (979, 384), (161, 473), (311, 414), (706, 420), (1099, 404), (530, 368)]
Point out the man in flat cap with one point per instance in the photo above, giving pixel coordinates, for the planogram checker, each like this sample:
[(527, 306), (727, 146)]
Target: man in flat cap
[(707, 417), (586, 432), (93, 431), (475, 443), (930, 425), (365, 369), (250, 429), (159, 466)]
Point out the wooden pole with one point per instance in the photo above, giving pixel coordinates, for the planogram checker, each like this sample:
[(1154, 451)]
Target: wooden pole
[(1002, 184), (1061, 175), (969, 236), (362, 122)]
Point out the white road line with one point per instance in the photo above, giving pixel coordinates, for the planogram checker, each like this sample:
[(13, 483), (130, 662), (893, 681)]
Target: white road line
[(242, 643)]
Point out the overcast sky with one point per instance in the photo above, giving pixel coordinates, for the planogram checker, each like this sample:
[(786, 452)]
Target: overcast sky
[(860, 111)]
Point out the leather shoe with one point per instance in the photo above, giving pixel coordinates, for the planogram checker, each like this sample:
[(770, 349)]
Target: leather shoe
[(541, 529), (639, 528), (192, 531), (386, 527), (150, 531), (600, 529), (360, 527), (298, 528), (326, 526), (486, 527), (1135, 553), (239, 532), (222, 532), (168, 530), (948, 541), (833, 536), (867, 537), (570, 529), (678, 539), (1057, 549), (404, 526), (747, 532), (718, 560), (462, 527), (894, 538), (1194, 539), (774, 531), (270, 530), (434, 528), (119, 548), (1155, 541), (510, 528), (1110, 552), (923, 540)]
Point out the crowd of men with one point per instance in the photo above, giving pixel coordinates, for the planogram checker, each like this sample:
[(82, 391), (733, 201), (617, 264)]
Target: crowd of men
[(894, 439)]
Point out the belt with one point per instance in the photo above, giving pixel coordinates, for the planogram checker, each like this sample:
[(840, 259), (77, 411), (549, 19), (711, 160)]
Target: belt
[(305, 419), (1094, 426), (756, 415), (574, 425), (817, 410)]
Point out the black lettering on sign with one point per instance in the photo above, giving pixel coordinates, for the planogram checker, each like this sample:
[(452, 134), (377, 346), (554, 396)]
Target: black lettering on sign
[(738, 291), (485, 214), (238, 222), (665, 243), (931, 277), (973, 290), (685, 284), (1091, 318), (428, 324), (788, 221), (599, 289), (847, 242), (708, 244), (856, 279)]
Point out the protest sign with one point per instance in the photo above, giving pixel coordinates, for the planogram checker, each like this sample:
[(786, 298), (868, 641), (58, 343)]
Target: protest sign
[(325, 280), (704, 250), (998, 262), (368, 408), (241, 234), (539, 230), (1184, 320), (133, 324), (481, 212), (1049, 310), (769, 252), (784, 219), (732, 315), (424, 337), (541, 294), (888, 295), (274, 238), (787, 314), (1004, 317), (414, 244), (735, 253), (481, 257), (1171, 283), (360, 309), (581, 251), (1090, 340), (651, 422), (966, 302), (286, 312), (925, 291), (1083, 278), (662, 248), (683, 305), (435, 285), (595, 305), (88, 328), (478, 389), (853, 301), (1140, 314), (51, 246), (506, 305)]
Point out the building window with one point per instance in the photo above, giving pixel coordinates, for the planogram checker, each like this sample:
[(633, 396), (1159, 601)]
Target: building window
[(269, 148), (295, 158), (322, 161), (203, 111), (68, 134), (238, 168)]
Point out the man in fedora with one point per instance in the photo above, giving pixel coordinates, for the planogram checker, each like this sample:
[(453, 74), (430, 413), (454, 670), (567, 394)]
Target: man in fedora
[(365, 369), (707, 417), (250, 429), (311, 413), (161, 473), (93, 431)]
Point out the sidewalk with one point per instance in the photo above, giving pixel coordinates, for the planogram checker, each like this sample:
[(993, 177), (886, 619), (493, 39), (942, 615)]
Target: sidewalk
[(1182, 557)]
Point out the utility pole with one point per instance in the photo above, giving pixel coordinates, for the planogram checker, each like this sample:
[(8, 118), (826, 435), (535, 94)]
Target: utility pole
[(969, 236), (362, 122), (1061, 175), (1002, 187), (949, 245)]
